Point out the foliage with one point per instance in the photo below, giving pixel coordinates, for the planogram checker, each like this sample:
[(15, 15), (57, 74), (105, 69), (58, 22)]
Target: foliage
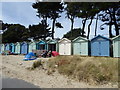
[(58, 25), (75, 33), (110, 16), (15, 33), (39, 31), (107, 12), (50, 10), (71, 9)]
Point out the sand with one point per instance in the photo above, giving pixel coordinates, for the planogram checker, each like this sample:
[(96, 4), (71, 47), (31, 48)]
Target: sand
[(13, 66)]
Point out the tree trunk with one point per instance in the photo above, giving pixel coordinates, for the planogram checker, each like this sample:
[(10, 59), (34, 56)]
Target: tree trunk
[(53, 26), (84, 22), (45, 24), (89, 28), (96, 25), (115, 23), (110, 26), (72, 22), (110, 30)]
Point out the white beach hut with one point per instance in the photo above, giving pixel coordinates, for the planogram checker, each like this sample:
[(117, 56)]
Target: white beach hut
[(64, 46)]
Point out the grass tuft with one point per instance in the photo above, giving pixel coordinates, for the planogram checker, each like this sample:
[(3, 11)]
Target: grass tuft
[(36, 64)]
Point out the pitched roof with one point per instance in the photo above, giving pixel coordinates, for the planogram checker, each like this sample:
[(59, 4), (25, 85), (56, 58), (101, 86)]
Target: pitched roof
[(52, 40), (115, 37), (81, 38), (99, 36), (64, 39)]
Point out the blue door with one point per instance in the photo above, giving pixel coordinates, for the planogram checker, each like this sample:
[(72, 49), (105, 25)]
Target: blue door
[(95, 50), (24, 49), (104, 48), (100, 48)]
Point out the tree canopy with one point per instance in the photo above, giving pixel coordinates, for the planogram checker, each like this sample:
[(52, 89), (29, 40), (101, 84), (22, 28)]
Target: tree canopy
[(49, 10), (76, 32), (39, 31), (87, 12), (15, 33)]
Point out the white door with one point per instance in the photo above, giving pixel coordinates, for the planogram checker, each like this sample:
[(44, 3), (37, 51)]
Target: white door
[(61, 49), (67, 49)]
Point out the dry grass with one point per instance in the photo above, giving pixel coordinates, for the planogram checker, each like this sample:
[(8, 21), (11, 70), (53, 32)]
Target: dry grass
[(95, 70), (35, 64)]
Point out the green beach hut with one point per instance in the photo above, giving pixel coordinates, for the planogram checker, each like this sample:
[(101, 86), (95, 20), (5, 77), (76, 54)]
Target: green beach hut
[(116, 46), (52, 45), (32, 46), (2, 48), (80, 46), (41, 45), (17, 48)]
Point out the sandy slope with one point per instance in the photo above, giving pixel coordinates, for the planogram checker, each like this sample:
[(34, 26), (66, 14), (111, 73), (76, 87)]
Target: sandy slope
[(13, 66)]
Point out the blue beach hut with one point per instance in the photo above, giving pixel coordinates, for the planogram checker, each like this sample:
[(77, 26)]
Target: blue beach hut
[(24, 48), (41, 45), (100, 46)]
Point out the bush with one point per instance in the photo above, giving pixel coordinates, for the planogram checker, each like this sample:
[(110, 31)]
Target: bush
[(96, 70), (36, 64)]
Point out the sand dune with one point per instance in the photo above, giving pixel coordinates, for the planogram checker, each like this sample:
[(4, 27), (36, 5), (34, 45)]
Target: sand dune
[(14, 66)]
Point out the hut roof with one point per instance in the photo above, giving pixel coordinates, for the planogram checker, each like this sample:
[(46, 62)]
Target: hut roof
[(101, 37), (52, 40), (115, 37), (64, 39), (80, 38)]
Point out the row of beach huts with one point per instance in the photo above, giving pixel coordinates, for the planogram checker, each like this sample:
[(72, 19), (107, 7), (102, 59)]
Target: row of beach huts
[(97, 46)]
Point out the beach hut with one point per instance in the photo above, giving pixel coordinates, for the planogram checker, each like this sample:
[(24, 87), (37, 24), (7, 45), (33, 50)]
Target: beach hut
[(7, 46), (64, 46), (12, 47), (17, 48), (41, 45), (80, 46), (2, 48), (24, 48), (32, 46), (52, 45), (100, 46), (116, 46)]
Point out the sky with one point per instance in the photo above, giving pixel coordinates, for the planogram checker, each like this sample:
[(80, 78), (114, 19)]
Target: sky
[(23, 13)]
